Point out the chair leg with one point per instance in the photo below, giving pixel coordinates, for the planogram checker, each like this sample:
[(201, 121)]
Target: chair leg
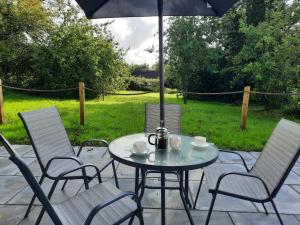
[(277, 213), (64, 185), (115, 173), (33, 198), (131, 220), (266, 211), (38, 221), (198, 192), (140, 215), (85, 179), (214, 196)]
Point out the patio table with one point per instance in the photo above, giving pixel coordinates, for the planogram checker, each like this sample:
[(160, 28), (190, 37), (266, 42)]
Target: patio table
[(183, 160)]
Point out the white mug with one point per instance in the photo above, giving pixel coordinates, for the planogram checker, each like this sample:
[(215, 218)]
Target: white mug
[(139, 146), (175, 142), (199, 140)]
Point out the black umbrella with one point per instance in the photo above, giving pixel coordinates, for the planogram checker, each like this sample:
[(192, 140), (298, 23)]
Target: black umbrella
[(95, 9)]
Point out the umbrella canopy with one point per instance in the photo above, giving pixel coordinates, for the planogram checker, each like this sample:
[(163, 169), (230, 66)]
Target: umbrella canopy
[(95, 9)]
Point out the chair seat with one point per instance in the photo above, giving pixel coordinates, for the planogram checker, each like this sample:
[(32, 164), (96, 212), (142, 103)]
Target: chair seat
[(75, 210), (60, 166), (234, 184)]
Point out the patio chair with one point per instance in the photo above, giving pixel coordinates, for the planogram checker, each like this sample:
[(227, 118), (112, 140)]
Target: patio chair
[(172, 118), (102, 204), (262, 182), (53, 149)]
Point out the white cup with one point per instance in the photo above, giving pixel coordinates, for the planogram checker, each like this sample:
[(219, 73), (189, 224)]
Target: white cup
[(139, 146), (199, 140), (175, 142)]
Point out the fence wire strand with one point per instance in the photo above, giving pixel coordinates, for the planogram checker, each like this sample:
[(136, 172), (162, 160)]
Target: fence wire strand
[(38, 90), (147, 92)]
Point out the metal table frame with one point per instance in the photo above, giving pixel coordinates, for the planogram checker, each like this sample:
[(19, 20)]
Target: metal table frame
[(183, 178)]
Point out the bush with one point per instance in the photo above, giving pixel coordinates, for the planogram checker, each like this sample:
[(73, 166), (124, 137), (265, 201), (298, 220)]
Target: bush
[(142, 84)]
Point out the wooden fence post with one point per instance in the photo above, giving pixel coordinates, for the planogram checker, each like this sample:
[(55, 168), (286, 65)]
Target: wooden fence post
[(82, 102), (1, 104), (245, 106)]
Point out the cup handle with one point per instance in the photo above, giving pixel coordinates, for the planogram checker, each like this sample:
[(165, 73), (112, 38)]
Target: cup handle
[(149, 139)]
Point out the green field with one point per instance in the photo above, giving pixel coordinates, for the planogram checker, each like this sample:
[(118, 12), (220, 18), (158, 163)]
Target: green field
[(121, 115)]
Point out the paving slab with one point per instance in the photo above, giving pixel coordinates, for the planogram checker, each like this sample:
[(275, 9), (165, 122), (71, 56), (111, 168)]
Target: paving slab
[(20, 149), (255, 154), (298, 217), (151, 198), (179, 217), (223, 203), (296, 170), (287, 201), (233, 158), (10, 186), (296, 188), (31, 219), (72, 188), (8, 168), (30, 154), (292, 178), (11, 215), (261, 219), (35, 169)]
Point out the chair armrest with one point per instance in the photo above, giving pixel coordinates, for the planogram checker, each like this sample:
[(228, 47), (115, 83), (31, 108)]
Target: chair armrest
[(65, 158), (83, 144), (97, 208), (221, 177), (80, 168), (238, 154)]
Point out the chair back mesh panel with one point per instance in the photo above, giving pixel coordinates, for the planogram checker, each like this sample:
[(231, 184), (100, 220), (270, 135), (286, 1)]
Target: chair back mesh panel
[(172, 118), (47, 134), (279, 154)]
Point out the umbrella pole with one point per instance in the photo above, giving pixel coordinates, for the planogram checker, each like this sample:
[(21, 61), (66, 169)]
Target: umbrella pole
[(161, 62)]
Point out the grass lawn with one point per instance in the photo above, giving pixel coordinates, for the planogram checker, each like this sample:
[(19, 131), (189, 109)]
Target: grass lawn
[(121, 115)]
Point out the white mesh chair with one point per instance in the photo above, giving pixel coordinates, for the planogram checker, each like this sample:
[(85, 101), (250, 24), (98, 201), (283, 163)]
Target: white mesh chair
[(54, 151), (102, 204), (262, 182)]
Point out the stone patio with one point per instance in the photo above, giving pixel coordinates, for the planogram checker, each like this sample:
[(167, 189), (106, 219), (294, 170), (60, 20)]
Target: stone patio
[(15, 194)]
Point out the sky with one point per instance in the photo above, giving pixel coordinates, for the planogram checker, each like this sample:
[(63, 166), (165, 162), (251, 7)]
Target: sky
[(136, 35)]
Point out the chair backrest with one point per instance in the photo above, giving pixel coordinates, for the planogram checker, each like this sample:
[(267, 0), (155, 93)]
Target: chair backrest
[(47, 134), (172, 118), (15, 158), (279, 155)]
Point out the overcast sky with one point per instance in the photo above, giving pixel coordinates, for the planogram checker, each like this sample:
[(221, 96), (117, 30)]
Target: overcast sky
[(136, 34)]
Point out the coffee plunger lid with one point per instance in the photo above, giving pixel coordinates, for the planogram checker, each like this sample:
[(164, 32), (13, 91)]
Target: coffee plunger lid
[(162, 129)]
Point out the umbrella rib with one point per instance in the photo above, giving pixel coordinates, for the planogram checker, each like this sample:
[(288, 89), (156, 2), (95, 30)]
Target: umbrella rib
[(97, 8), (214, 9)]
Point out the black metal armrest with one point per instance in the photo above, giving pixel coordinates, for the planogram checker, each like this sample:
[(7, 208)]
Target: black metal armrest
[(97, 208), (221, 177), (83, 144), (80, 168), (64, 158), (238, 154)]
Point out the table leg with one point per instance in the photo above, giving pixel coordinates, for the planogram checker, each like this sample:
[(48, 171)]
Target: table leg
[(137, 173), (186, 187), (143, 183), (183, 199), (163, 198)]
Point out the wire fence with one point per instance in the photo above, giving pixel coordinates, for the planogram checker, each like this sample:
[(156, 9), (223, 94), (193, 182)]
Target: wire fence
[(147, 92), (81, 90)]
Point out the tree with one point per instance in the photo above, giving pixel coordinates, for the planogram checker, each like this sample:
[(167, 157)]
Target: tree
[(271, 53), (21, 24), (53, 46)]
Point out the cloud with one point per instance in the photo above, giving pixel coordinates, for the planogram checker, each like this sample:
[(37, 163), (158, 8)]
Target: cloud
[(137, 34)]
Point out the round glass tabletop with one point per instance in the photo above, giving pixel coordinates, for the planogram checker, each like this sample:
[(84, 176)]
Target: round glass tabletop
[(186, 158)]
